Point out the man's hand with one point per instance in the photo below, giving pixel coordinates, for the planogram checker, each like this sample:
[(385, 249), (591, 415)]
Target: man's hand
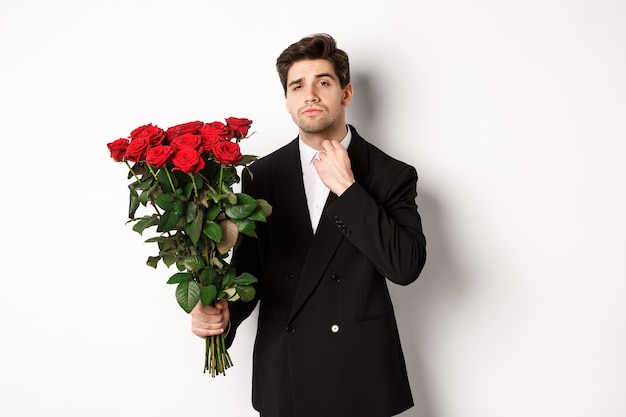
[(210, 320), (333, 167)]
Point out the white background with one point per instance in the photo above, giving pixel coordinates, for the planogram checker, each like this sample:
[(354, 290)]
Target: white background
[(513, 113)]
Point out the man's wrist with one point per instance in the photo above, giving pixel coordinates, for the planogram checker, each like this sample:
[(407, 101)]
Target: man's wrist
[(347, 186)]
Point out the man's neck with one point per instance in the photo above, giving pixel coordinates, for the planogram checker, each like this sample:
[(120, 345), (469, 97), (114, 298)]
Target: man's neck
[(314, 140)]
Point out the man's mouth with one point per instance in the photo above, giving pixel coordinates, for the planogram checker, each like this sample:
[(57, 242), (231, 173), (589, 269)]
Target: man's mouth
[(309, 111)]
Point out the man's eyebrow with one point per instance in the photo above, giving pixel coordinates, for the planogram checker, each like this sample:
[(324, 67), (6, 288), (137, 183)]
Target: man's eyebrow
[(317, 76), (324, 74), (298, 81)]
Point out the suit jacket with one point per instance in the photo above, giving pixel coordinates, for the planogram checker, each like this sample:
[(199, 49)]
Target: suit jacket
[(327, 342)]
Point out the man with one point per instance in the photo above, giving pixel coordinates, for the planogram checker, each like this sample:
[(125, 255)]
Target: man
[(344, 220)]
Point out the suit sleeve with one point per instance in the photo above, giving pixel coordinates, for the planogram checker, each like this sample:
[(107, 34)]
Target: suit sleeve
[(245, 259), (383, 223)]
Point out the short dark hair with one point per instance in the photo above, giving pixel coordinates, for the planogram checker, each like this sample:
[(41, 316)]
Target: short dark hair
[(317, 46)]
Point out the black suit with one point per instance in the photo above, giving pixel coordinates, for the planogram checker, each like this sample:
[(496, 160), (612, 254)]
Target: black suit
[(327, 342)]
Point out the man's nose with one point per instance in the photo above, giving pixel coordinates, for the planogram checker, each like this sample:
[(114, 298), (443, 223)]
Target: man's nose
[(310, 95)]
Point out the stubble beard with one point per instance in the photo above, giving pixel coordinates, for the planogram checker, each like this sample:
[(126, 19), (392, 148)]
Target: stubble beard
[(316, 125)]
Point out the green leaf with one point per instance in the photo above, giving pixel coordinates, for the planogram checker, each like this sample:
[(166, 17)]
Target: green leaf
[(267, 208), (212, 212), (168, 221), (179, 207), (251, 233), (246, 293), (188, 295), (144, 223), (179, 277), (231, 273), (133, 202), (230, 197), (258, 215), (145, 195), (193, 263), (188, 190), (194, 229), (167, 244), (165, 201), (199, 181), (245, 206), (213, 195), (145, 182), (168, 260), (153, 261), (157, 239), (228, 279), (246, 279), (170, 218), (191, 211), (248, 159), (229, 292), (213, 231), (244, 225), (207, 294), (207, 275)]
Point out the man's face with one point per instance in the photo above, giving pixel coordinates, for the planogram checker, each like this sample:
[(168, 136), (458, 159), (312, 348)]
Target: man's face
[(314, 97)]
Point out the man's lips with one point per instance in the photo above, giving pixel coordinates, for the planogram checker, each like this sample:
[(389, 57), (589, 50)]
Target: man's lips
[(311, 111)]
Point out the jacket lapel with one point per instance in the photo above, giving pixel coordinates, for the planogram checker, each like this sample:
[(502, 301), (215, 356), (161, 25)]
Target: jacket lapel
[(295, 231), (328, 237)]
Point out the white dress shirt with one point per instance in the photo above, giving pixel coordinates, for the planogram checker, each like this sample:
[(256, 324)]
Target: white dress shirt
[(316, 191)]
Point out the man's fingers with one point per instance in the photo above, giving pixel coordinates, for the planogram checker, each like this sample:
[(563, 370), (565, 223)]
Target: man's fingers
[(210, 320)]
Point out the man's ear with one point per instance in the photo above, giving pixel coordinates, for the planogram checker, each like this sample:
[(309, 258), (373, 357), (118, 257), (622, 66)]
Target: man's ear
[(347, 95)]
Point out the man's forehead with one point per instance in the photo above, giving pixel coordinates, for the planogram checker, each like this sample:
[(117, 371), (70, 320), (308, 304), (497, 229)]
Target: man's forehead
[(308, 68)]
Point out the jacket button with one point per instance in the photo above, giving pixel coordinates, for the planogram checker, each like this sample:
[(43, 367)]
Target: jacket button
[(334, 328), (335, 278), (290, 329)]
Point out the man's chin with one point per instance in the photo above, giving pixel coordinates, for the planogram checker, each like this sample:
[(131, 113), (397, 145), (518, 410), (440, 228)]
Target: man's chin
[(313, 126)]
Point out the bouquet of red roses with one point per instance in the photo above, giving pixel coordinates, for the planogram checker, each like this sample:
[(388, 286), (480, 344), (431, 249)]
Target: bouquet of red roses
[(186, 175)]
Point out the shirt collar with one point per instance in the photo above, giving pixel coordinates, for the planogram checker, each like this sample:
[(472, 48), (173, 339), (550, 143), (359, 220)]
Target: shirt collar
[(307, 153)]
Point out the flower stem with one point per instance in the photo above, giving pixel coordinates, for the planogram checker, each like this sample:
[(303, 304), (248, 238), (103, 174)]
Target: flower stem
[(206, 355), (193, 181), (219, 188), (169, 178), (216, 359), (131, 170), (152, 171)]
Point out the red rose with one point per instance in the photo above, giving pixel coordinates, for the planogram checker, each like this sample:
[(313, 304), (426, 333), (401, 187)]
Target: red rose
[(118, 149), (187, 159), (153, 134), (186, 139), (209, 141), (227, 153), (159, 155), (189, 127), (137, 148), (239, 126), (214, 129)]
